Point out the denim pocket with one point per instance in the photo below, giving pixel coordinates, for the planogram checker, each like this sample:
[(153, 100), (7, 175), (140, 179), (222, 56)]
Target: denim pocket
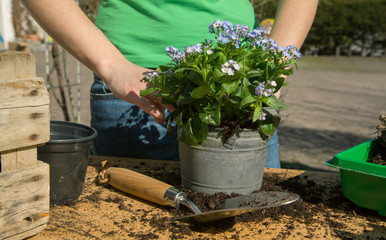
[(100, 91)]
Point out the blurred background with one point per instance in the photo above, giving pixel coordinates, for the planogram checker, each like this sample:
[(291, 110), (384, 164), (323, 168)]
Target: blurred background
[(335, 96)]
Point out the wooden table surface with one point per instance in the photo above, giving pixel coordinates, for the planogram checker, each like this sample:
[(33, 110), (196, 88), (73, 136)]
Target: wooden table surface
[(102, 212)]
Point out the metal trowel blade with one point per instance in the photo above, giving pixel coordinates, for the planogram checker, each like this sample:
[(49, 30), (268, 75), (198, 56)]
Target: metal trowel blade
[(243, 204)]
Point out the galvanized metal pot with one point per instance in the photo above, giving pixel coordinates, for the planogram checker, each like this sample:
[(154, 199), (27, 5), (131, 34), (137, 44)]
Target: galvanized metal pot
[(236, 166)]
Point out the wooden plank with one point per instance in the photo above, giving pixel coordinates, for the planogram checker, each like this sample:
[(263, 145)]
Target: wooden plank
[(18, 159), (24, 201), (28, 233), (24, 126), (23, 92), (19, 46), (17, 65)]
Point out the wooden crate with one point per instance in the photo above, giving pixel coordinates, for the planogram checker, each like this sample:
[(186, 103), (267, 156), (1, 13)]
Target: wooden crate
[(24, 124)]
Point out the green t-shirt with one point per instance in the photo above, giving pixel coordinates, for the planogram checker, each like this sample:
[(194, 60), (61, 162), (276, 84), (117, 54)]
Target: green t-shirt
[(142, 29)]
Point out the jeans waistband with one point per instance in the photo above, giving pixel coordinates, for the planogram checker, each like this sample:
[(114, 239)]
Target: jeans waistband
[(98, 79)]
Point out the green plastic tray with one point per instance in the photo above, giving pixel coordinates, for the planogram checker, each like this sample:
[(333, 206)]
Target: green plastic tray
[(362, 182)]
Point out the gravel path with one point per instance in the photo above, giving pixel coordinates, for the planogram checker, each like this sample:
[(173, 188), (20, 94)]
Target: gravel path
[(334, 105)]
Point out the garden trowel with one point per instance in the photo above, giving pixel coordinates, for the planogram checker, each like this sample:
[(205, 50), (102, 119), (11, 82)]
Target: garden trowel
[(161, 193)]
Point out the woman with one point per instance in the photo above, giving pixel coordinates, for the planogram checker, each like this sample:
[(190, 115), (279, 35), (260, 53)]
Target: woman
[(129, 38)]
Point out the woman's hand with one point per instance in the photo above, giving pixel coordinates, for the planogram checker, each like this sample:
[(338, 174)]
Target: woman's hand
[(124, 80)]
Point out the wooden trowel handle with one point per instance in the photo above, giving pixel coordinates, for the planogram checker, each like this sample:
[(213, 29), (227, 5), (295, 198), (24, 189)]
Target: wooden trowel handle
[(137, 184)]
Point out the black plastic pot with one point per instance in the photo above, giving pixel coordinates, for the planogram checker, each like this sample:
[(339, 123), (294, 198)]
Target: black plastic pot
[(67, 154)]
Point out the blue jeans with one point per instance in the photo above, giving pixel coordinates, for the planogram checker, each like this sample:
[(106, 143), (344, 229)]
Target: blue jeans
[(273, 158), (124, 130)]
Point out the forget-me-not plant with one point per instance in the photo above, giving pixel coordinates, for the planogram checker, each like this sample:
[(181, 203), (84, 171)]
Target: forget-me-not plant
[(229, 81)]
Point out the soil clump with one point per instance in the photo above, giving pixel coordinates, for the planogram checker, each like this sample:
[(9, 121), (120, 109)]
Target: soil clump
[(379, 155)]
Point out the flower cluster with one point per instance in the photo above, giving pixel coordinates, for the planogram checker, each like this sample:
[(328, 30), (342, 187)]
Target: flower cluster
[(230, 82), (150, 75), (175, 54), (265, 89), (230, 67), (193, 49)]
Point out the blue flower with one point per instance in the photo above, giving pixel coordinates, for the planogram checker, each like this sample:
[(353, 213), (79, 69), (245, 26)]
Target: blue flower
[(151, 75), (214, 26), (294, 51), (297, 54), (175, 54), (272, 83), (226, 25), (198, 48), (260, 89), (230, 71), (189, 49), (257, 32), (230, 67), (218, 26), (234, 64), (241, 30), (272, 44), (268, 92), (223, 38)]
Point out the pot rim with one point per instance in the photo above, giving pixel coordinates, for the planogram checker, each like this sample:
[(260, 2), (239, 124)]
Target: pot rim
[(72, 125)]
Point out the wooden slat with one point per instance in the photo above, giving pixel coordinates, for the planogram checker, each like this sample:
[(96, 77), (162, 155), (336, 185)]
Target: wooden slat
[(18, 159), (24, 126), (17, 65), (23, 93), (24, 201), (24, 113)]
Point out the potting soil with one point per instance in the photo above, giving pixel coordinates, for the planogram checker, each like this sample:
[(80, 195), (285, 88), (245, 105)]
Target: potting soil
[(103, 212), (379, 155)]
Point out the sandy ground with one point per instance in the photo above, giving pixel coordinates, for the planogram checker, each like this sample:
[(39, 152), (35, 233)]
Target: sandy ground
[(102, 212), (334, 105)]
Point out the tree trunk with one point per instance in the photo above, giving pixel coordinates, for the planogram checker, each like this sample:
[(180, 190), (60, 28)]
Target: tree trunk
[(337, 51)]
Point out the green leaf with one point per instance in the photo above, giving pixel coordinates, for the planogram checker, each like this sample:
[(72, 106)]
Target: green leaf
[(236, 77), (200, 130), (248, 99), (242, 55), (267, 129), (275, 103), (185, 134), (230, 87), (272, 116), (257, 113), (254, 73), (211, 116), (196, 78), (217, 74), (170, 85), (184, 69), (200, 92), (285, 71), (279, 81), (193, 132), (148, 90), (176, 116), (168, 100), (186, 95), (213, 56), (223, 58)]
